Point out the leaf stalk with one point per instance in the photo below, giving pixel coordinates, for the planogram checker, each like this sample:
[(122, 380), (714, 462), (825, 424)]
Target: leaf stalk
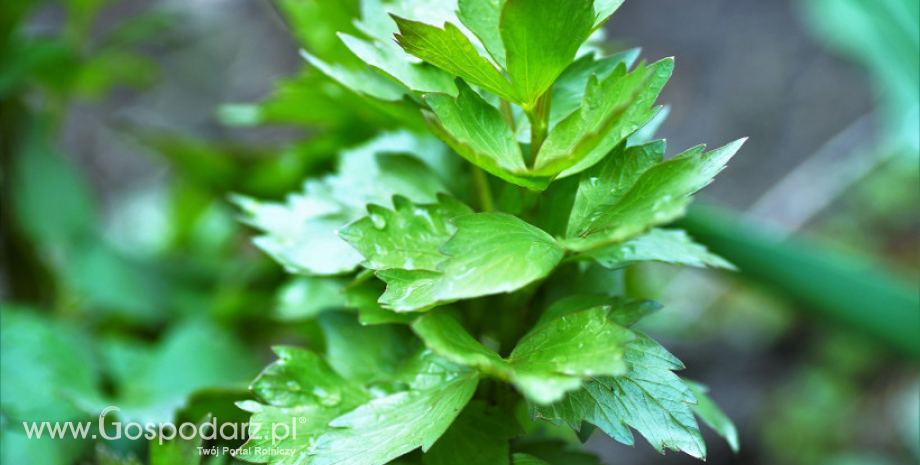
[(483, 189), (539, 124)]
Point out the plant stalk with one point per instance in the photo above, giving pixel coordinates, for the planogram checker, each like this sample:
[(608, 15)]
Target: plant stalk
[(508, 114), (482, 189), (539, 124)]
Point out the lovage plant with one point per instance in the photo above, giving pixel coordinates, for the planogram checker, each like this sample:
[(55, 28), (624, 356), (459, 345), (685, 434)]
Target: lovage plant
[(468, 311)]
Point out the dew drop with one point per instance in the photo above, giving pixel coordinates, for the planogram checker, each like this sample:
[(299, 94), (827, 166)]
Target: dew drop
[(378, 221)]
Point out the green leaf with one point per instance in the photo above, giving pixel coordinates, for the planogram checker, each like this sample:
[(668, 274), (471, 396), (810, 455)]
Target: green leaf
[(300, 377), (388, 427), (44, 181), (451, 50), (659, 195), (44, 366), (541, 39), (365, 354), (581, 344), (630, 312), (365, 368), (377, 16), (493, 253), (481, 17), (408, 237), (409, 290), (364, 298), (393, 62), (447, 338), (547, 362), (623, 312), (311, 98), (663, 245), (647, 133), (153, 381), (712, 415), (305, 297), (569, 88), (649, 398), (477, 131), (293, 389), (316, 23), (479, 436), (604, 9), (301, 233), (392, 163), (362, 81), (607, 182), (611, 111)]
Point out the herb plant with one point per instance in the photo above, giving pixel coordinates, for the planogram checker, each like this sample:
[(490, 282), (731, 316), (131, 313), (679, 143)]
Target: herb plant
[(466, 307)]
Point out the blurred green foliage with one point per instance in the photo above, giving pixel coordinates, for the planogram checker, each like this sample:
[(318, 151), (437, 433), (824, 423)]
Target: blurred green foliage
[(176, 330), (87, 321), (884, 37)]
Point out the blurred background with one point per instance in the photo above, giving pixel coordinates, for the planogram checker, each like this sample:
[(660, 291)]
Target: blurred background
[(127, 279)]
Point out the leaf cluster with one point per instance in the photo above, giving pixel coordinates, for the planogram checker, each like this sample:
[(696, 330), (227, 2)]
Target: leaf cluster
[(453, 297)]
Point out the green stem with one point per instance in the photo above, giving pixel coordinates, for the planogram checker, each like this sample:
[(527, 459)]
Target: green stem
[(508, 114), (539, 123), (483, 190), (530, 204)]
